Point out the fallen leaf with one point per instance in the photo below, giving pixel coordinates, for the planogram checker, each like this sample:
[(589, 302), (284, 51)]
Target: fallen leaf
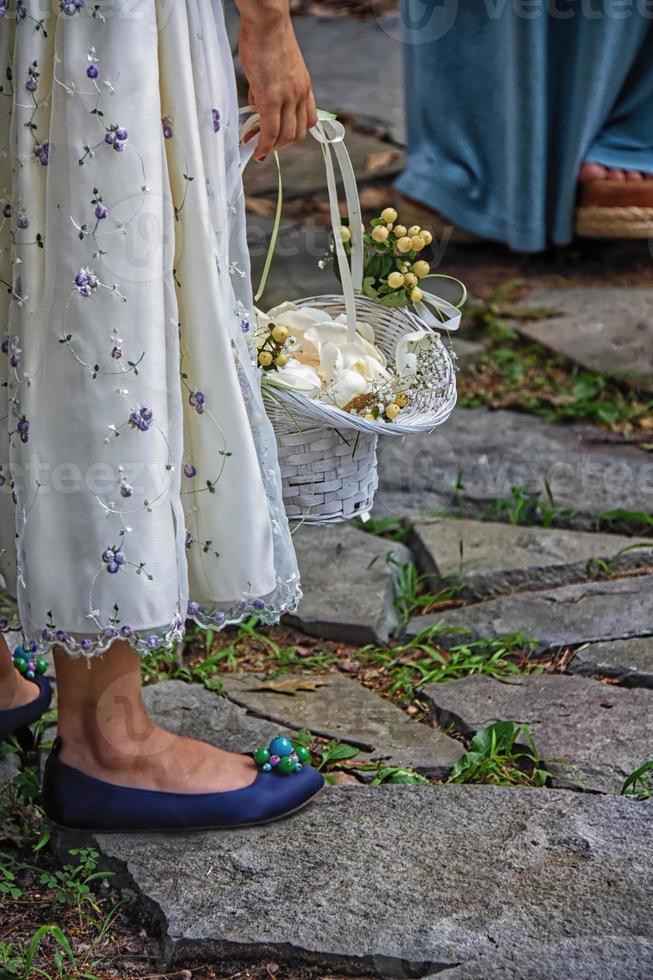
[(260, 206), (293, 685), (381, 160)]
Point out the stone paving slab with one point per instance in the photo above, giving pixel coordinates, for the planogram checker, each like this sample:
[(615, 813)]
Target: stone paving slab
[(347, 61), (567, 616), (491, 558), (602, 732), (341, 708), (302, 166), (334, 558), (295, 271), (607, 957), (607, 329), (192, 710), (628, 661), (479, 455), (403, 881)]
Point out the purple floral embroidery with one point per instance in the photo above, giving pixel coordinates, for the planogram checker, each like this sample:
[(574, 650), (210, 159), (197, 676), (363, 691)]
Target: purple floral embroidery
[(3, 480), (71, 7), (93, 71), (113, 560), (189, 471), (86, 282), (42, 153), (7, 211), (193, 608), (22, 221), (141, 419), (101, 211), (216, 120), (126, 491), (116, 353), (21, 11), (116, 137), (245, 326), (168, 131), (189, 539), (23, 429), (197, 400)]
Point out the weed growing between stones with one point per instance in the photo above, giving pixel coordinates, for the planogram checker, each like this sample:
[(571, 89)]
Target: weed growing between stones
[(502, 754), (639, 783), (518, 373), (420, 661)]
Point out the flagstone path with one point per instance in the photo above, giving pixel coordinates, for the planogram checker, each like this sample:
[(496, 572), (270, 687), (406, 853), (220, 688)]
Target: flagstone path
[(475, 882)]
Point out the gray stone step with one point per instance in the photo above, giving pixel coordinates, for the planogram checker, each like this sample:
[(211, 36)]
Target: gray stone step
[(479, 455), (587, 958), (602, 732), (302, 167), (628, 661), (191, 710), (492, 558), (341, 708), (405, 881), (348, 583), (553, 618), (608, 329)]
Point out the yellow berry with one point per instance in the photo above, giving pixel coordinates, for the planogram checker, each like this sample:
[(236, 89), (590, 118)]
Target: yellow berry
[(427, 236), (410, 279), (345, 233), (265, 358), (395, 280), (369, 417), (402, 399), (379, 234), (416, 294), (421, 268), (280, 334), (413, 230), (404, 244), (392, 411), (418, 243), (281, 359), (400, 231), (389, 215)]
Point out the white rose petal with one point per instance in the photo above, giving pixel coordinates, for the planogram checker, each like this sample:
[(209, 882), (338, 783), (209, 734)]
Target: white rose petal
[(346, 385)]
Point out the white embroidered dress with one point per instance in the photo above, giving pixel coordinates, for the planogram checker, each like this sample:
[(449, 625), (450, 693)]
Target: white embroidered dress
[(138, 470)]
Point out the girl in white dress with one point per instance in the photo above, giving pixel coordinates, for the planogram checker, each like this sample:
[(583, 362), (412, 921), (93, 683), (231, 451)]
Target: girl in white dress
[(139, 485)]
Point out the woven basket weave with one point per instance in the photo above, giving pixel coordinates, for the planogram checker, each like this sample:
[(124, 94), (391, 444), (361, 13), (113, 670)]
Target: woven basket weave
[(328, 456)]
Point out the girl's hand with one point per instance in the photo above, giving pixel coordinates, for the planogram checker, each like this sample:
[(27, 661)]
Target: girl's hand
[(279, 83)]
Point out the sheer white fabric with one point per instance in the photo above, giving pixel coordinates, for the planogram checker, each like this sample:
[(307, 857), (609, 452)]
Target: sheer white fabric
[(140, 483)]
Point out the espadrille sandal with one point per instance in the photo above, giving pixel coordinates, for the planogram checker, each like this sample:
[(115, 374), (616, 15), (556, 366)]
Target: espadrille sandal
[(615, 209)]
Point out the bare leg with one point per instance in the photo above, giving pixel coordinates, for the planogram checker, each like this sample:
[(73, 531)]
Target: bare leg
[(15, 690), (108, 734)]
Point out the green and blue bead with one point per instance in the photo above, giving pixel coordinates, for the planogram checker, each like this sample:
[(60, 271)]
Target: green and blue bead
[(282, 754), (26, 665)]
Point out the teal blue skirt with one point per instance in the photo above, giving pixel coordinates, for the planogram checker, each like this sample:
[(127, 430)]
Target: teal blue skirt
[(504, 109)]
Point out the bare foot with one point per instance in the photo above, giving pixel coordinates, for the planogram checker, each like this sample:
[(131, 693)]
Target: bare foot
[(159, 760), (16, 691), (596, 171)]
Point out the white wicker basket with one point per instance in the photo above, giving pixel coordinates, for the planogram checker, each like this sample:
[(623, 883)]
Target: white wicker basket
[(328, 456)]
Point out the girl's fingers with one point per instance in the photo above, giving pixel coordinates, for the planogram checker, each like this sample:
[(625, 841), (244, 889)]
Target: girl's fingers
[(312, 110), (288, 126), (270, 124), (301, 125)]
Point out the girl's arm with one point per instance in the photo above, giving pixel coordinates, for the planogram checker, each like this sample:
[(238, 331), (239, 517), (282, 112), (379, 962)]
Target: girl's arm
[(279, 83)]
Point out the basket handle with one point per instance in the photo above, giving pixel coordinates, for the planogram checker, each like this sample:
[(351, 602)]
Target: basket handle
[(330, 134)]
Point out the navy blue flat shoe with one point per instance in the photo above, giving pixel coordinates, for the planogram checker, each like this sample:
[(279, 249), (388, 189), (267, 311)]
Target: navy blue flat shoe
[(15, 721), (76, 801)]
